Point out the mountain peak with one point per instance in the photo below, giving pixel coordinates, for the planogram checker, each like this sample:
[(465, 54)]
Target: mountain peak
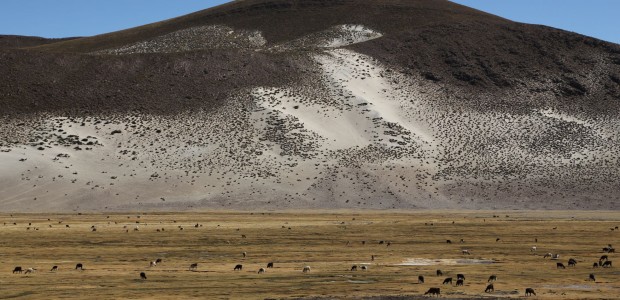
[(313, 104)]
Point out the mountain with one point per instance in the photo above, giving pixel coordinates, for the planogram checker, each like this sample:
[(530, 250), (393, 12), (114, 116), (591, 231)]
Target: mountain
[(16, 41), (320, 104)]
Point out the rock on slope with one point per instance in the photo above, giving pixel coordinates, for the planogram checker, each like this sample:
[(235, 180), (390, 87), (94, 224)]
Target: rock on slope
[(313, 104)]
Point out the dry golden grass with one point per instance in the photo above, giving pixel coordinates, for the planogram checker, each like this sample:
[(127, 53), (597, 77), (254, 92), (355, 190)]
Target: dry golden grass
[(113, 258)]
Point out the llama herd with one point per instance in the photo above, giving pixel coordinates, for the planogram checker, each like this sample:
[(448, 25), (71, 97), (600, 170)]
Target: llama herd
[(572, 262), (437, 283), (460, 279), (603, 262), (20, 270)]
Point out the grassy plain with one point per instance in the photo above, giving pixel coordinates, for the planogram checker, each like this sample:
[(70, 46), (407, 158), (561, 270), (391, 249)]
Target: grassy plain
[(329, 242)]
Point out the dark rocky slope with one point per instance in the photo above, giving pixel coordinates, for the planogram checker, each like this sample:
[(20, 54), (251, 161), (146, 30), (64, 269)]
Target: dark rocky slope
[(313, 104)]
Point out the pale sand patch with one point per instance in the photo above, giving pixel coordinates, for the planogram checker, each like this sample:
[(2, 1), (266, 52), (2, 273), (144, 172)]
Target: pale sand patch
[(362, 78), (351, 34), (194, 38), (340, 129), (335, 37), (444, 261), (564, 117)]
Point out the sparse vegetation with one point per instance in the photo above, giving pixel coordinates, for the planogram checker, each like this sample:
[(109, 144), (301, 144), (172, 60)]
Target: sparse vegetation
[(325, 104)]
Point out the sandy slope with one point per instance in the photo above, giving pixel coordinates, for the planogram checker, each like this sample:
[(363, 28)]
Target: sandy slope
[(354, 133)]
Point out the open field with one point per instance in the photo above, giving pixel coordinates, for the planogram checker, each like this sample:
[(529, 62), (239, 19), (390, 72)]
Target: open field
[(330, 243)]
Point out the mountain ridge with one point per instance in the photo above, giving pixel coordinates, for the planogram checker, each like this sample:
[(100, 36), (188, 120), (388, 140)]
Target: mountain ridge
[(227, 14), (313, 104)]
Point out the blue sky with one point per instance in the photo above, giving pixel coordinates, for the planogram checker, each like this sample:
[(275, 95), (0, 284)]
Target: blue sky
[(597, 18), (63, 18)]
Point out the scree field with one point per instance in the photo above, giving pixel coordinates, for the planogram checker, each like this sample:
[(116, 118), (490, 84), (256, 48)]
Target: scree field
[(114, 249)]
